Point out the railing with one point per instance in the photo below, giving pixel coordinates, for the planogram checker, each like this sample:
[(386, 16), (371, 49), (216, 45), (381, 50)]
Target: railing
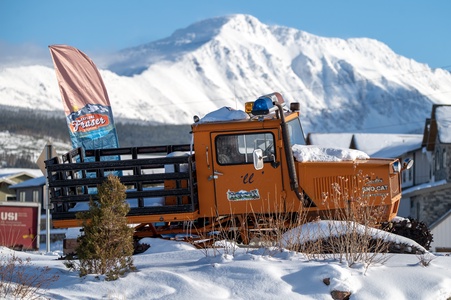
[(158, 179)]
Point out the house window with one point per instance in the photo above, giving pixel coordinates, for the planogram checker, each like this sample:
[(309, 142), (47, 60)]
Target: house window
[(444, 159), (437, 160), (22, 196), (417, 212), (35, 196)]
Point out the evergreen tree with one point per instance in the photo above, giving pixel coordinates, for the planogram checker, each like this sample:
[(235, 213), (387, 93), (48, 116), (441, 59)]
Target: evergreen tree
[(107, 244)]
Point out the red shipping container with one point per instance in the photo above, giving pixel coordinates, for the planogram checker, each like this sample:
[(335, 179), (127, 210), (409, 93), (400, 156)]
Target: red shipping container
[(19, 225)]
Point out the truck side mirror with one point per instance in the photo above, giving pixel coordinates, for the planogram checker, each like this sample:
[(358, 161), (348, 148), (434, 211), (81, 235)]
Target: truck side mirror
[(257, 156)]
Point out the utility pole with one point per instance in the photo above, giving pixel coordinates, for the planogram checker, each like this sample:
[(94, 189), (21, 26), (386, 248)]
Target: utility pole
[(48, 155)]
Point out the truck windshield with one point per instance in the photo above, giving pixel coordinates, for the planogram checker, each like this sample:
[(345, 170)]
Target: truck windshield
[(295, 132), (238, 148)]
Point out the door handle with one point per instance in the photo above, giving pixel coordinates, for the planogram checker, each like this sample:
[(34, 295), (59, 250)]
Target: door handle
[(215, 175)]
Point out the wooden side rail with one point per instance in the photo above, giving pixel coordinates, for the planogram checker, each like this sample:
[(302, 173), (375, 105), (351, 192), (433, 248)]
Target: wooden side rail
[(170, 178)]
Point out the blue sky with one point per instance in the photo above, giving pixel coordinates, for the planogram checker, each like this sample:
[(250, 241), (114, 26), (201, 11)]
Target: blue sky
[(420, 30)]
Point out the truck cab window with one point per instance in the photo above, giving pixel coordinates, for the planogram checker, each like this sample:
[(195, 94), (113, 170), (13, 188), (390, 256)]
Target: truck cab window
[(295, 132), (238, 149)]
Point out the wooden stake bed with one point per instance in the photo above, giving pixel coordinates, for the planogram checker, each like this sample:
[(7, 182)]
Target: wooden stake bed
[(159, 181)]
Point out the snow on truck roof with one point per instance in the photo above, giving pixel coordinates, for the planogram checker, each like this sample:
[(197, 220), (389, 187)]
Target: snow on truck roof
[(224, 114)]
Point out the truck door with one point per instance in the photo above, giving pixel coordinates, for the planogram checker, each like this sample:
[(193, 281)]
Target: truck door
[(239, 187)]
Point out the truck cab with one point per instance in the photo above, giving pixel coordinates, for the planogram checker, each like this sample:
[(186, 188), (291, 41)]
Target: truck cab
[(247, 166)]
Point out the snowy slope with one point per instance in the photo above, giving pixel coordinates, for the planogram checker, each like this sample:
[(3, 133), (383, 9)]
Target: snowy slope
[(343, 85), (28, 146)]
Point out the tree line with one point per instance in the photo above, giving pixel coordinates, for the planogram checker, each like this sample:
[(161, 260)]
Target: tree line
[(45, 124)]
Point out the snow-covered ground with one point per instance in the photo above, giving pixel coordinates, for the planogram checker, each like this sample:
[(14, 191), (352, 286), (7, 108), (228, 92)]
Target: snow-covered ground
[(177, 270)]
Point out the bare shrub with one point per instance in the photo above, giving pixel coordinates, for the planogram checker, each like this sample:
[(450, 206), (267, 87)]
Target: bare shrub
[(18, 282), (426, 258), (224, 235), (349, 234), (250, 230), (271, 227)]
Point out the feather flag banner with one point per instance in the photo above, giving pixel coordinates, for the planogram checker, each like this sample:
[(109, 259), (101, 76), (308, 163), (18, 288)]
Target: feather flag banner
[(85, 99)]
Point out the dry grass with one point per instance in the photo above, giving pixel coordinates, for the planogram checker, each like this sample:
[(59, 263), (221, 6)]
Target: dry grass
[(16, 282), (352, 239)]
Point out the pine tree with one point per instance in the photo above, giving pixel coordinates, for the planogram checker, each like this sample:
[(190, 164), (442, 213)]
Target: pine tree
[(107, 244)]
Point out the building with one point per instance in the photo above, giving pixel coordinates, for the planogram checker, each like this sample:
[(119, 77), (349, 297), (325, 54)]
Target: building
[(427, 185), (441, 231), (31, 190), (10, 177), (430, 202)]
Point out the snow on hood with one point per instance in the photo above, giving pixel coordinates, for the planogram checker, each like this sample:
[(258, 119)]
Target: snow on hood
[(312, 153), (224, 114)]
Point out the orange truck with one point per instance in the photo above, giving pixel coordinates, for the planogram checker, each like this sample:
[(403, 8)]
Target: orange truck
[(238, 170)]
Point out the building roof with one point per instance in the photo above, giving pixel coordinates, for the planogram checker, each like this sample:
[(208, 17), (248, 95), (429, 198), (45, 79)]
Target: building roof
[(440, 220), (8, 175), (373, 144), (33, 172), (401, 145), (336, 140), (426, 188), (38, 181)]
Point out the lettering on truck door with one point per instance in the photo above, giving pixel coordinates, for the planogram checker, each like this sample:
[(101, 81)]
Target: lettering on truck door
[(239, 187)]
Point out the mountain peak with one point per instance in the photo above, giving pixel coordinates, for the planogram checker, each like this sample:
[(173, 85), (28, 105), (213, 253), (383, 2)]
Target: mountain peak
[(208, 29), (199, 32), (243, 21), (135, 60)]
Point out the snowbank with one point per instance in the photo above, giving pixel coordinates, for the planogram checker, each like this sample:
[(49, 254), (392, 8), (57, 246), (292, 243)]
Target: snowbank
[(322, 229), (176, 270)]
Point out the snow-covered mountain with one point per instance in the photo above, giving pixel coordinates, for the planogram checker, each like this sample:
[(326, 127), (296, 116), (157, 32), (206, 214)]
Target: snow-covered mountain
[(353, 85)]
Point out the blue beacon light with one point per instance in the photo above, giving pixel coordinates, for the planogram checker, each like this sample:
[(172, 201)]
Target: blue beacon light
[(262, 106)]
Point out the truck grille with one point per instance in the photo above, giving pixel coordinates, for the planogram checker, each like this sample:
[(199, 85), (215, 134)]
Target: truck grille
[(335, 187)]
